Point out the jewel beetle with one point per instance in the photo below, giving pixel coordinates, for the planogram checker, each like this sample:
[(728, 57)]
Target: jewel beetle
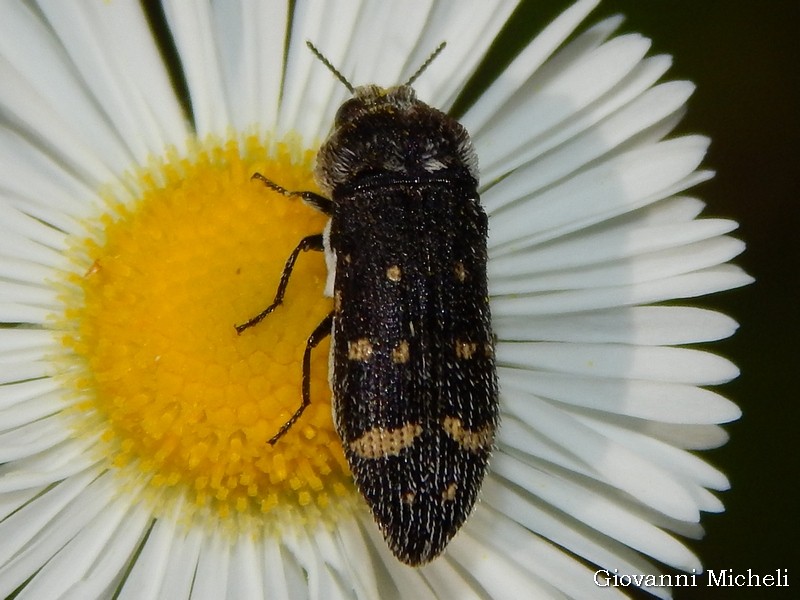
[(413, 375)]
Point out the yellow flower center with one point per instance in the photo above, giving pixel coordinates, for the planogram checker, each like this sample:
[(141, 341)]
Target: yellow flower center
[(162, 281)]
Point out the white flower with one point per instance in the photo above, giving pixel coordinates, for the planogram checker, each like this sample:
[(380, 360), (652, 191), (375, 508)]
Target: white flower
[(591, 229)]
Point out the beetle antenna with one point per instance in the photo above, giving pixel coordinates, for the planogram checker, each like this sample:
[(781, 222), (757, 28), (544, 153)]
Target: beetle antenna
[(331, 68), (427, 63)]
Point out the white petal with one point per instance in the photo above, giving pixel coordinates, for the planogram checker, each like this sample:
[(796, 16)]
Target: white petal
[(690, 285), (551, 564), (311, 94), (36, 107), (653, 400), (677, 365), (691, 473), (363, 568), (27, 240), (25, 391), (97, 532), (49, 466), (13, 370), (16, 270), (33, 438), (112, 47), (192, 30), (31, 229), (620, 120), (684, 464), (213, 568), (31, 536), (532, 57), (11, 502), (564, 87), (411, 582), (466, 31), (395, 29), (621, 184), (608, 461), (688, 437), (566, 531), (29, 294), (641, 325), (644, 268), (315, 574), (43, 187), (478, 557), (30, 412), (153, 561), (331, 560), (275, 577), (607, 244), (293, 571), (184, 552), (250, 37), (105, 575), (585, 225), (245, 573), (21, 527), (399, 41), (12, 312), (26, 341), (447, 574)]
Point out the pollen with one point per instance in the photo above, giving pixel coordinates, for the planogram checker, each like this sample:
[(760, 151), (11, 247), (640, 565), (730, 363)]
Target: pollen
[(157, 287)]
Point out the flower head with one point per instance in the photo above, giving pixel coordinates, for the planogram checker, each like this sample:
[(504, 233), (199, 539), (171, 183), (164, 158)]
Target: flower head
[(134, 421)]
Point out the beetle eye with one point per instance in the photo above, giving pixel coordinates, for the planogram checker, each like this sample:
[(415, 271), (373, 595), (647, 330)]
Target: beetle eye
[(348, 111)]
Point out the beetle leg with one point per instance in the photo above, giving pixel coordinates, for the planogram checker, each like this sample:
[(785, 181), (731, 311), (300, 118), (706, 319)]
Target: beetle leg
[(311, 242), (321, 203), (322, 331)]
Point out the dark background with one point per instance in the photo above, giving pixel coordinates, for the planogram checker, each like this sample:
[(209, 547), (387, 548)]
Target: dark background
[(745, 59)]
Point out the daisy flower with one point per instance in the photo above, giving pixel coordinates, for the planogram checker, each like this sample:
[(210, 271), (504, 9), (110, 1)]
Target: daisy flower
[(134, 421)]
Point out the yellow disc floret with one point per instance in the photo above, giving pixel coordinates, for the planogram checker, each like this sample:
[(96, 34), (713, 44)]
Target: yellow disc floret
[(182, 397)]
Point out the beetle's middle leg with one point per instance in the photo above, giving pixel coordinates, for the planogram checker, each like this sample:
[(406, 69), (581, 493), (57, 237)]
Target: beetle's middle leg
[(322, 331), (311, 242)]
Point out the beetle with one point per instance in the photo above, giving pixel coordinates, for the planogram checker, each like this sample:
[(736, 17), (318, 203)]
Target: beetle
[(415, 393)]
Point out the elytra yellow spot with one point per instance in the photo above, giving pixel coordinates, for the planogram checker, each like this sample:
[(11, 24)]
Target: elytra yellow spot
[(473, 441), (464, 349), (394, 273), (360, 349), (449, 494), (401, 353), (159, 284), (380, 442), (460, 272)]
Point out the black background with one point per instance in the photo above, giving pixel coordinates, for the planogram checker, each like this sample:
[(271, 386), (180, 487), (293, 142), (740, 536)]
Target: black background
[(745, 59)]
